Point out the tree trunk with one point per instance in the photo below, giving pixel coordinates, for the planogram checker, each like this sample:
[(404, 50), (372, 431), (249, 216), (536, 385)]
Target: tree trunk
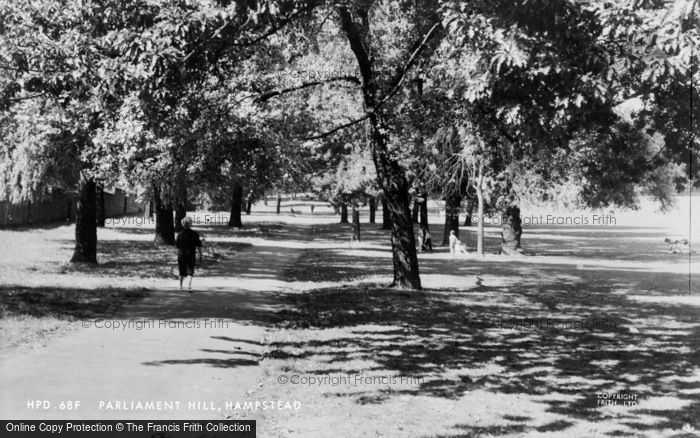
[(471, 203), (415, 212), (180, 200), (356, 223), (480, 225), (386, 217), (248, 205), (101, 213), (511, 231), (452, 203), (391, 176), (165, 231), (85, 222), (344, 213), (151, 207), (403, 241), (372, 209), (236, 204), (424, 211), (279, 203)]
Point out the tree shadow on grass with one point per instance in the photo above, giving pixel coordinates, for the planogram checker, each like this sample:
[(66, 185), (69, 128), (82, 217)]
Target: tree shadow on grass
[(144, 259), (551, 334), (512, 345), (217, 363), (66, 302)]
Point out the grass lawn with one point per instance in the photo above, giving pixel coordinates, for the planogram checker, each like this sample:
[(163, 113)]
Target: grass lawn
[(499, 346), (42, 294)]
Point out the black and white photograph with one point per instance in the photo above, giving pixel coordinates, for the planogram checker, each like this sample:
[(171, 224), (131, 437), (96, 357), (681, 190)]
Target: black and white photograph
[(349, 218)]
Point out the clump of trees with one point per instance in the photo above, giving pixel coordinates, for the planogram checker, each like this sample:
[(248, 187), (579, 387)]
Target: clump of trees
[(492, 102)]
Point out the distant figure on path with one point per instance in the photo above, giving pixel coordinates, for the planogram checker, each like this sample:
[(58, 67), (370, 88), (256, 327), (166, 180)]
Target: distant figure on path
[(456, 246), (188, 243), (426, 240), (312, 208)]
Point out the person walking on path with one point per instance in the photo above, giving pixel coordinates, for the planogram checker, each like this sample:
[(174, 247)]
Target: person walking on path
[(456, 246), (188, 244)]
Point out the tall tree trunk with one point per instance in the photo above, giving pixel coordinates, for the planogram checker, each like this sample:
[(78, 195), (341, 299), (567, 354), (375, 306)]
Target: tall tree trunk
[(415, 212), (386, 217), (452, 203), (424, 211), (101, 213), (248, 205), (180, 199), (344, 213), (279, 203), (151, 206), (356, 222), (165, 230), (85, 222), (391, 176), (511, 231), (372, 209), (480, 225), (236, 204), (403, 241), (471, 203)]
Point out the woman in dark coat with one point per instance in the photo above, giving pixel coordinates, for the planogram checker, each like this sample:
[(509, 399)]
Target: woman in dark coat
[(188, 243)]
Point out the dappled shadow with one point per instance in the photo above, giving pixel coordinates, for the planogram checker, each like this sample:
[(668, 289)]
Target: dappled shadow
[(555, 335), (243, 306), (66, 302), (218, 363), (144, 259), (514, 344), (237, 356)]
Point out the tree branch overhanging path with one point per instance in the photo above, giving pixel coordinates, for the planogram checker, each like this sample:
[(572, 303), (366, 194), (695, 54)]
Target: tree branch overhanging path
[(145, 88), (398, 82)]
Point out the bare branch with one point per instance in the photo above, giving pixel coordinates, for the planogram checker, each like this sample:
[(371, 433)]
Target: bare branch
[(410, 62), (273, 30), (269, 95), (32, 96), (338, 128), (254, 41)]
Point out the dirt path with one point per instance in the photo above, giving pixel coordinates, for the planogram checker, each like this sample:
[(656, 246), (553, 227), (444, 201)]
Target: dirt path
[(194, 353)]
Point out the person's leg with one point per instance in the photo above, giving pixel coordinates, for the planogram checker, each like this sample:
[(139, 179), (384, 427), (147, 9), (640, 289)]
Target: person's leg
[(182, 270), (190, 269)]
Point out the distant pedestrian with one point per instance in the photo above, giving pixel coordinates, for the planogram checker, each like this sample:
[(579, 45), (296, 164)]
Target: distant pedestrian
[(456, 246), (188, 244), (312, 208), (426, 240)]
